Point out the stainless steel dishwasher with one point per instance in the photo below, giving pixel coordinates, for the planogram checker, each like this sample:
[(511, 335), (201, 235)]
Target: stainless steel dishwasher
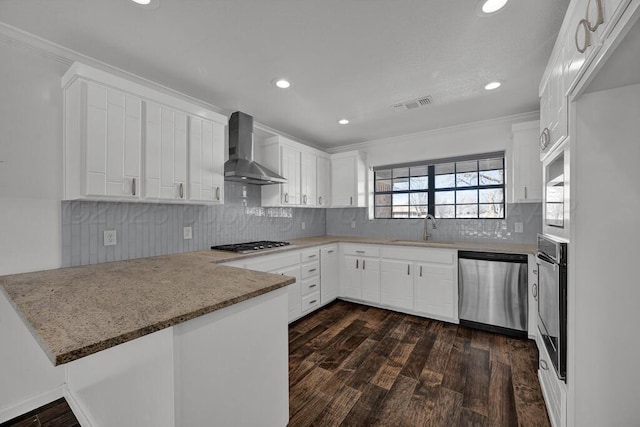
[(492, 292)]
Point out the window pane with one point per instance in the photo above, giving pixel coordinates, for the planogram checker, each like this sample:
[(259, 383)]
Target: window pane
[(445, 197), (446, 181), (419, 198), (445, 168), (383, 199), (400, 212), (467, 196), (492, 211), (383, 174), (418, 211), (494, 177), (419, 170), (383, 185), (421, 183), (445, 211), (384, 212), (467, 179), (401, 184), (400, 172), (400, 199), (493, 195), (489, 164), (466, 211), (469, 166)]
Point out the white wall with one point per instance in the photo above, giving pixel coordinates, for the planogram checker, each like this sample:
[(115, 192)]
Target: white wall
[(604, 288)]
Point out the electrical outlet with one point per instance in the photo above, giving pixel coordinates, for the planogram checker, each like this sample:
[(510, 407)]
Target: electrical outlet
[(304, 225), (110, 237), (353, 224), (519, 227), (187, 232)]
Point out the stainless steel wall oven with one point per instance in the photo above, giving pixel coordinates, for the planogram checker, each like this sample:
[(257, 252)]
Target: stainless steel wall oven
[(552, 300)]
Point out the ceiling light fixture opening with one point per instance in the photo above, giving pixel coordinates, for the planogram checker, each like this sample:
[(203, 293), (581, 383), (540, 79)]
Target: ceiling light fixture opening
[(489, 7), (343, 121), (282, 83), (492, 85), (147, 4)]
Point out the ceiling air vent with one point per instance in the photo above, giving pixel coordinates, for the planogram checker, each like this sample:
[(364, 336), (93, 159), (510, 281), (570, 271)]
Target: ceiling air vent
[(413, 103)]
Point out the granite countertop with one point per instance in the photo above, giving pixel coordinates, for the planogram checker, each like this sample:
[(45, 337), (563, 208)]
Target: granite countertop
[(515, 248), (78, 311)]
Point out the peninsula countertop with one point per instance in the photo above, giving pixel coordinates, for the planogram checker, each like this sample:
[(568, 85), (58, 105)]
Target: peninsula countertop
[(77, 311)]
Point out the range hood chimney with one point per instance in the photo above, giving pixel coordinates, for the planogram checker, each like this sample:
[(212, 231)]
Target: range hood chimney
[(240, 166)]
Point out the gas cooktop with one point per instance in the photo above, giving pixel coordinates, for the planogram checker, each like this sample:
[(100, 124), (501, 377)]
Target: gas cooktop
[(243, 248)]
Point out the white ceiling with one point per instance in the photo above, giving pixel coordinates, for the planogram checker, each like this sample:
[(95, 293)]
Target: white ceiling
[(345, 58)]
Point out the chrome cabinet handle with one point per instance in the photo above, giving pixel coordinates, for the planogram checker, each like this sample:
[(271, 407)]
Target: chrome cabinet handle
[(543, 364), (587, 39), (534, 291), (357, 261), (330, 252), (544, 139), (311, 256), (359, 252), (363, 263), (420, 271), (312, 286), (599, 19), (535, 271), (217, 193), (525, 193), (351, 200), (286, 197), (312, 270), (408, 269), (133, 187), (313, 302), (320, 200), (181, 191), (304, 199)]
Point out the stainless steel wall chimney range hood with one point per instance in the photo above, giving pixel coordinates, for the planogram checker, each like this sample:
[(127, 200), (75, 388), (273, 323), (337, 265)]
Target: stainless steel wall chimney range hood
[(240, 166)]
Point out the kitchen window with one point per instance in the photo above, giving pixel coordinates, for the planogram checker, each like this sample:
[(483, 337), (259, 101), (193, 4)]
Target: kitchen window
[(461, 187)]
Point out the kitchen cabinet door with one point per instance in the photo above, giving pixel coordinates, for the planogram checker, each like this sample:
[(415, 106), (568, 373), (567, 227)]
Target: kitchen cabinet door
[(308, 171), (165, 153), (351, 276), (328, 274), (113, 143), (553, 107), (396, 283), (206, 160), (370, 280), (290, 163), (323, 170), (435, 288), (343, 177), (526, 168), (293, 291)]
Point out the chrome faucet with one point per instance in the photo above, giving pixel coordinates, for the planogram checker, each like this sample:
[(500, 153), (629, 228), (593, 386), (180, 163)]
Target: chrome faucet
[(426, 225)]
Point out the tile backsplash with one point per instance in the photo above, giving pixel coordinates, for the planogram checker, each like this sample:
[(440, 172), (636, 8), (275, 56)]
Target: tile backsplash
[(339, 222), (150, 229)]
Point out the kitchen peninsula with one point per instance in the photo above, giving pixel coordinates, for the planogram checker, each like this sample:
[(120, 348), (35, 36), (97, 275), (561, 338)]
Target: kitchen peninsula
[(163, 341)]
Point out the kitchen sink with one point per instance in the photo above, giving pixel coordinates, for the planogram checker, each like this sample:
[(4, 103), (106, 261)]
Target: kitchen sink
[(424, 242)]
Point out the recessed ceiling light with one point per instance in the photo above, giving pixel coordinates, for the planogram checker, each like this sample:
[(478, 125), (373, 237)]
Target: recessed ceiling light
[(147, 4), (492, 85), (143, 2), (343, 121), (282, 83), (492, 6)]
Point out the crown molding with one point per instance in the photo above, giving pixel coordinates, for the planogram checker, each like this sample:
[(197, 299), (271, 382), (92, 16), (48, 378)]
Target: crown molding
[(504, 120)]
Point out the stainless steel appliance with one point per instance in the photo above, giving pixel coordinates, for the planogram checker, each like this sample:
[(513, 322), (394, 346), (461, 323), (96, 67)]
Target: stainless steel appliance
[(244, 248), (492, 292), (552, 300)]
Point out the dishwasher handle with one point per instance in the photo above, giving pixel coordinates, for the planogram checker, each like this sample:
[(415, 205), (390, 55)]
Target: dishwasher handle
[(493, 256)]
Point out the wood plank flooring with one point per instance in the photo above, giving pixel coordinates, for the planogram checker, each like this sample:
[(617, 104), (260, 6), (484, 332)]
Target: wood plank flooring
[(54, 414), (352, 365)]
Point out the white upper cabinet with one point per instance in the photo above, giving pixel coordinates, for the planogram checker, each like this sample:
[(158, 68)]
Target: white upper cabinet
[(553, 107), (123, 140), (348, 179), (308, 179), (206, 160), (104, 124), (323, 180), (291, 166), (165, 153), (525, 169)]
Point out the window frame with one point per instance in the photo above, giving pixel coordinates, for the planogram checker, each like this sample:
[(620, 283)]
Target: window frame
[(431, 190)]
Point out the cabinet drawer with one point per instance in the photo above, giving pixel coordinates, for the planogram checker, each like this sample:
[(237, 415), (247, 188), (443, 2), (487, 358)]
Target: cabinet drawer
[(310, 285), (361, 250), (431, 255), (310, 269), (272, 262), (310, 302), (309, 255)]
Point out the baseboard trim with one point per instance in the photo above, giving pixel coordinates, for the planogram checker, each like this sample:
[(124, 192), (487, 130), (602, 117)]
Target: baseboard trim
[(30, 404), (83, 418)]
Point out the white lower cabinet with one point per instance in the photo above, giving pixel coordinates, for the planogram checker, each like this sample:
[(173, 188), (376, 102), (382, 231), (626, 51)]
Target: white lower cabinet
[(435, 290), (360, 273), (329, 274), (293, 290), (310, 275), (396, 281), (553, 390)]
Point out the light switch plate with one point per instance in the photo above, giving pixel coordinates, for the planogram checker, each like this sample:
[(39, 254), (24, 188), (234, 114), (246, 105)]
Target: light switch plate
[(519, 227), (304, 225), (353, 224), (187, 233), (110, 238)]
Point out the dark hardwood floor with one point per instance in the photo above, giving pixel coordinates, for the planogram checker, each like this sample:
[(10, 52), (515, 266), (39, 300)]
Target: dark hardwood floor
[(353, 365), (54, 414)]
